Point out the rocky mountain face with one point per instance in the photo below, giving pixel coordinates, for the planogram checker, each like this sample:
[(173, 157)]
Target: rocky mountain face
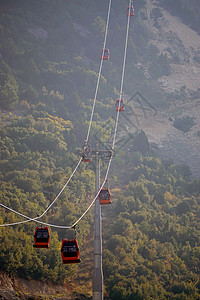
[(12, 288), (181, 44)]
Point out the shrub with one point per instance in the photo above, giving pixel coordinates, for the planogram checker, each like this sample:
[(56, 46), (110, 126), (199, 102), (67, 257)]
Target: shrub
[(184, 124)]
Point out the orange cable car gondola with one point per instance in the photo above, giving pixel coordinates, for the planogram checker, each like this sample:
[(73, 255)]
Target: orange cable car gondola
[(104, 196), (41, 237), (87, 154), (70, 251), (119, 105), (105, 54), (130, 11)]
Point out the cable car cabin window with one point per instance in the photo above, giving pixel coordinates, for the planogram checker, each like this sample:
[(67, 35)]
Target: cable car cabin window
[(42, 235), (105, 55), (119, 105), (41, 238), (104, 195), (130, 12), (69, 249)]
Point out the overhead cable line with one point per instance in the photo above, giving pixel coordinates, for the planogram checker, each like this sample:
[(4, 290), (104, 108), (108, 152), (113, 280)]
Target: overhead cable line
[(105, 178), (123, 72), (29, 219), (61, 190), (99, 74), (113, 145), (36, 218), (90, 123), (117, 118), (48, 224)]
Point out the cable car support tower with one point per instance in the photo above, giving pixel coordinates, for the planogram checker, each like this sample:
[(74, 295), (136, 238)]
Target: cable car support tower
[(98, 271)]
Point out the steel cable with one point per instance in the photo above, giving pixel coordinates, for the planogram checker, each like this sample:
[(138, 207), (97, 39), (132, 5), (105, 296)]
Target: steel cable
[(113, 146)]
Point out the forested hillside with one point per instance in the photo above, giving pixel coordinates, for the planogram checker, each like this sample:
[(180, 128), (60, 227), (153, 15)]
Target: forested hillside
[(50, 52)]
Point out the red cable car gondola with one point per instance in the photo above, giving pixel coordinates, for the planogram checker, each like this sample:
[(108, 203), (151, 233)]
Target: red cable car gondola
[(105, 55), (130, 12), (119, 105), (104, 197), (87, 154), (70, 251), (41, 237)]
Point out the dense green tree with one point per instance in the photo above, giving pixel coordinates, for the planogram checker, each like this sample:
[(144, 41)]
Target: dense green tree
[(47, 75), (8, 92)]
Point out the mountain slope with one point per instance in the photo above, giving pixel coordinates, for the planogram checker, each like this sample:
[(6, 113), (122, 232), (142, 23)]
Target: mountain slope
[(49, 58)]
